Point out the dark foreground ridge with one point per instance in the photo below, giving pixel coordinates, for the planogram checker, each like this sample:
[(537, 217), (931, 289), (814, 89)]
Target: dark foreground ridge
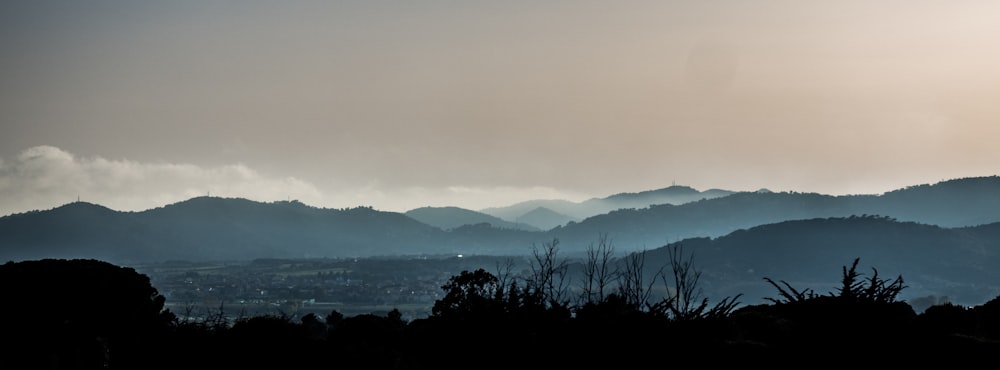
[(90, 314)]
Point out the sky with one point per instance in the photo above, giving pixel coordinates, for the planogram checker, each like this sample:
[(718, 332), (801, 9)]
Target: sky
[(403, 104)]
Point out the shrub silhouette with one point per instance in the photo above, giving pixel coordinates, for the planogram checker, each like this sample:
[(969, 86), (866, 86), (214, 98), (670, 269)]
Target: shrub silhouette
[(861, 313), (852, 289), (369, 341), (470, 293), (270, 341), (947, 319)]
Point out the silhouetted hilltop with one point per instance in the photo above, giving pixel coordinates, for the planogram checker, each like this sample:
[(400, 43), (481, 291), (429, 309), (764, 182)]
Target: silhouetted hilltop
[(448, 218)]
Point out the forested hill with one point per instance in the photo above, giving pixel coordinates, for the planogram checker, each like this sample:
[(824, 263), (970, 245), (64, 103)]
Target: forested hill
[(217, 229), (212, 228), (960, 263)]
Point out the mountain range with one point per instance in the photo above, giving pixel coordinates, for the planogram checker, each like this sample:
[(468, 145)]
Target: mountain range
[(954, 203), (943, 235)]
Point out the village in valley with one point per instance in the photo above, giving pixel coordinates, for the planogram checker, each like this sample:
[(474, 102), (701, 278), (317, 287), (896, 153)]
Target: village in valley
[(297, 287)]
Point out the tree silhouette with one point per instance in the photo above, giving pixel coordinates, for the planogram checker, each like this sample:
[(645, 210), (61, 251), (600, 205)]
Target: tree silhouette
[(469, 293), (598, 273), (548, 276), (269, 341), (685, 301), (633, 286), (79, 313), (857, 315), (83, 314), (369, 341)]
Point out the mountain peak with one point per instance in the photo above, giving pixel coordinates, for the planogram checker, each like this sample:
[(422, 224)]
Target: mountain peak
[(544, 218)]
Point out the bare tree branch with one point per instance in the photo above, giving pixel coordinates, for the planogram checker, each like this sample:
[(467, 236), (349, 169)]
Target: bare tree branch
[(598, 274)]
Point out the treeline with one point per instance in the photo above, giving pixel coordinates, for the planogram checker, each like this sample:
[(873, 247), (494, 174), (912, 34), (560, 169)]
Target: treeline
[(83, 314)]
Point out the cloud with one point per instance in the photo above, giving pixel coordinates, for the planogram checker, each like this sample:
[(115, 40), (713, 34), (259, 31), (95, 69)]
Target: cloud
[(43, 177)]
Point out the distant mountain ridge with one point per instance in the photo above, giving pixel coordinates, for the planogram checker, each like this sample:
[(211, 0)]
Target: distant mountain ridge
[(212, 228), (563, 211)]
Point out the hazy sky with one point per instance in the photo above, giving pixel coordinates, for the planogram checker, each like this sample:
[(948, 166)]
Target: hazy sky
[(401, 104)]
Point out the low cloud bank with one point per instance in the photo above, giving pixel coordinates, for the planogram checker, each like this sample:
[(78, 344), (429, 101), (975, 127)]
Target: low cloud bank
[(44, 177)]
